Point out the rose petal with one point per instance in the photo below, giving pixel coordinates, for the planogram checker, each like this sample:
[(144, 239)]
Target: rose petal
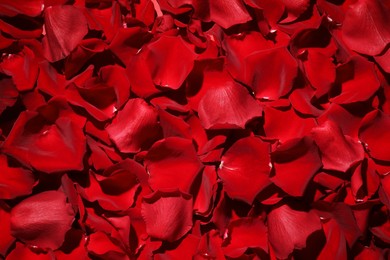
[(296, 161), (289, 229), (135, 127), (23, 252), (168, 215), (373, 132), (245, 169), (372, 18), (245, 233), (6, 239), (43, 230), (15, 7), (338, 151), (65, 27), (229, 106), (172, 163)]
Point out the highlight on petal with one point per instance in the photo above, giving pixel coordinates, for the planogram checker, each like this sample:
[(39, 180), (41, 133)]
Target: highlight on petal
[(372, 18), (288, 229), (135, 127), (14, 181), (245, 233), (228, 106), (168, 215), (65, 27), (172, 163), (295, 162), (170, 60), (270, 73), (338, 151), (373, 133), (49, 141), (30, 225), (245, 169)]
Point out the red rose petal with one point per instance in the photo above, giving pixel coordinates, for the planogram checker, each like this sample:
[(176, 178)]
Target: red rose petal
[(229, 106), (372, 18), (65, 27), (168, 215), (338, 151), (169, 54), (373, 132), (245, 169), (42, 230), (135, 127), (8, 94), (295, 162), (270, 82), (15, 7), (31, 142), (14, 181), (172, 163), (6, 239), (205, 197), (245, 233), (289, 229), (23, 252)]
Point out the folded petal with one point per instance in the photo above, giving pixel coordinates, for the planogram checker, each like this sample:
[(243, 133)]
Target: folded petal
[(42, 230), (245, 169), (168, 215), (65, 27), (135, 127), (288, 229), (172, 163)]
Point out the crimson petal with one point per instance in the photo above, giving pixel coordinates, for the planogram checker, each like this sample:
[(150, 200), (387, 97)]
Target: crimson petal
[(245, 169), (289, 229), (65, 27), (168, 215), (42, 230)]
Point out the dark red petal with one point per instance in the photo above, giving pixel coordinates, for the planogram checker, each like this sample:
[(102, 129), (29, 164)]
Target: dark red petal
[(288, 229), (384, 61), (359, 74), (31, 142), (296, 161), (205, 197), (42, 230), (285, 125), (6, 239), (301, 101), (336, 246), (166, 55), (168, 215), (23, 252), (100, 245), (373, 132), (294, 9), (372, 18), (270, 82), (245, 169), (26, 7), (245, 233), (172, 163), (65, 27), (228, 106), (15, 182), (23, 69), (173, 126), (338, 151), (135, 127), (8, 94)]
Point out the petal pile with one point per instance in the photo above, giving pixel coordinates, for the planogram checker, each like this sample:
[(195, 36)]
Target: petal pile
[(194, 129)]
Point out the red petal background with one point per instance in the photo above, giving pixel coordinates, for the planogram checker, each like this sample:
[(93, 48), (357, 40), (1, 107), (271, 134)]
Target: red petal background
[(194, 129)]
